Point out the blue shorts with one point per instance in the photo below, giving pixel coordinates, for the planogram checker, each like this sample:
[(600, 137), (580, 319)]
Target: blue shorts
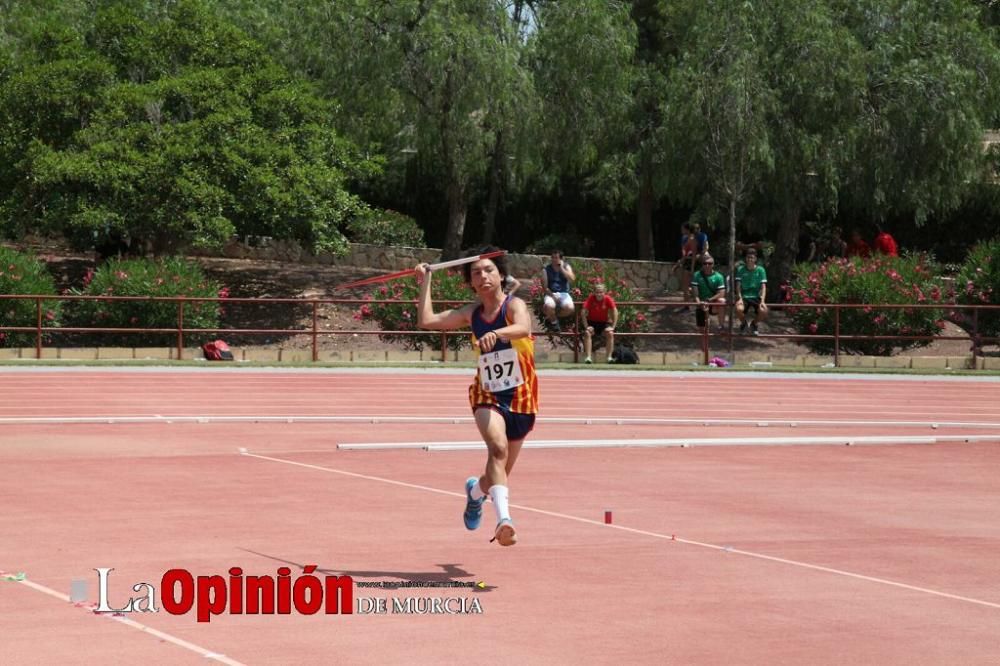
[(518, 425)]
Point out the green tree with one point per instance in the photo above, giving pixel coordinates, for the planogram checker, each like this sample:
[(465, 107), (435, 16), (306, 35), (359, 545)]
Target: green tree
[(931, 85), (21, 21), (584, 63), (720, 105), (440, 81), (875, 107), (169, 127), (816, 72)]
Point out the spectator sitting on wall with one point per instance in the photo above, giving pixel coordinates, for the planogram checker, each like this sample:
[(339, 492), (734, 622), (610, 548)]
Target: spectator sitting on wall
[(701, 238), (751, 290), (511, 285), (556, 279), (689, 244), (709, 289), (688, 258), (601, 314)]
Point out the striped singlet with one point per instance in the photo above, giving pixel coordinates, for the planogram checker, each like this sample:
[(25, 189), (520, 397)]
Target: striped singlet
[(522, 399)]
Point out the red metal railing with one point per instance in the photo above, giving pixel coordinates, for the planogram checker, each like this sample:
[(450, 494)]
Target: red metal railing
[(574, 335)]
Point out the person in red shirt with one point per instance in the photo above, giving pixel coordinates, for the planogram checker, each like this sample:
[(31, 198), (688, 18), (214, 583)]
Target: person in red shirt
[(885, 243), (601, 314), (857, 247)]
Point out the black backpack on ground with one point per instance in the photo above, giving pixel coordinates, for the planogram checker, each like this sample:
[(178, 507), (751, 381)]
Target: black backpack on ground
[(625, 355)]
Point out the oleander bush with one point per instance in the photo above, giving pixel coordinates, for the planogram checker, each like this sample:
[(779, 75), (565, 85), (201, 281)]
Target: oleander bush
[(978, 283), (393, 308), (22, 273), (911, 279), (169, 277)]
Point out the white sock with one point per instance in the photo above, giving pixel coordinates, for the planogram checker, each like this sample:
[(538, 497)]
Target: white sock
[(477, 492), (499, 496)]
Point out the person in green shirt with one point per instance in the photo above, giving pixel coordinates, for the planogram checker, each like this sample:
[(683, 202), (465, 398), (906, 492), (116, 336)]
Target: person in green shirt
[(751, 290), (709, 289)]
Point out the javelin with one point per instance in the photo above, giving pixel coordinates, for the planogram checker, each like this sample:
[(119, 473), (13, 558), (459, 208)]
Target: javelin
[(409, 271)]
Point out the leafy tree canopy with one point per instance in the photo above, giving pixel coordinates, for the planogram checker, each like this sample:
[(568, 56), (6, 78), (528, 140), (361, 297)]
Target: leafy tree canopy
[(169, 127)]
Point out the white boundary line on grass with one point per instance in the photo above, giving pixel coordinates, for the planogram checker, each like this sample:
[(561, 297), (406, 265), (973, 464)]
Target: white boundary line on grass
[(632, 530), (180, 642)]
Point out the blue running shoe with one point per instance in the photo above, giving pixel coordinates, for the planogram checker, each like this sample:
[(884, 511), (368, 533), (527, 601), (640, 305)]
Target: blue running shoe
[(473, 508)]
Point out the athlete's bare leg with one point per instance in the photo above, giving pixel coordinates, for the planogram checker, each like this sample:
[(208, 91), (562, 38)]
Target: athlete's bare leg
[(499, 461), (494, 432)]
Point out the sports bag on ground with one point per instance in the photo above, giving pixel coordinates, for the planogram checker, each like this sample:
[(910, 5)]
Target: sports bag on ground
[(625, 355), (217, 350)]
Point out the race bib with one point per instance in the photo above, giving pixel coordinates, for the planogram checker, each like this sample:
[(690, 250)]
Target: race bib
[(499, 370)]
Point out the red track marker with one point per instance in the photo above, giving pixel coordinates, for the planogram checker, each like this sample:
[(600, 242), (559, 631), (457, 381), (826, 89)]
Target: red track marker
[(434, 267)]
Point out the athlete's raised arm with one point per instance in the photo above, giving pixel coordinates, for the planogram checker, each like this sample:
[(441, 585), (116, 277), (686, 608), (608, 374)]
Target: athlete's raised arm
[(437, 321)]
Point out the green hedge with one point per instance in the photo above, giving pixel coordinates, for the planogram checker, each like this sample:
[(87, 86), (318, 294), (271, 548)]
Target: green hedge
[(385, 227)]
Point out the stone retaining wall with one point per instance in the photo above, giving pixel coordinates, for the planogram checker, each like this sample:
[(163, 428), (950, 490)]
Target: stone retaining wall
[(647, 276)]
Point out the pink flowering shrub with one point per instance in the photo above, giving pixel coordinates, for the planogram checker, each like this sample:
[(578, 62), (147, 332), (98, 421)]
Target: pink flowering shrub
[(871, 281), (393, 307), (146, 277), (24, 274), (978, 283), (631, 318)]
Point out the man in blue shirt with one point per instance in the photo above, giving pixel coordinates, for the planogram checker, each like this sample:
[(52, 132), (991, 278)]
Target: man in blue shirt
[(556, 279), (701, 238)]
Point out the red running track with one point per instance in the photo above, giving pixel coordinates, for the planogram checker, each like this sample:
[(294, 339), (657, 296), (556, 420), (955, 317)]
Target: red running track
[(100, 393), (781, 554)]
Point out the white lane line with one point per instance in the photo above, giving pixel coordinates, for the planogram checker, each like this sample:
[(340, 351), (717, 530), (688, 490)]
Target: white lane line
[(712, 441), (180, 642), (403, 418), (632, 530), (848, 440), (470, 445)]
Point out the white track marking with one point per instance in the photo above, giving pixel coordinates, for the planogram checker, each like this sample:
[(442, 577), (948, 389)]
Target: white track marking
[(398, 418), (180, 642), (632, 530), (651, 443), (859, 440)]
